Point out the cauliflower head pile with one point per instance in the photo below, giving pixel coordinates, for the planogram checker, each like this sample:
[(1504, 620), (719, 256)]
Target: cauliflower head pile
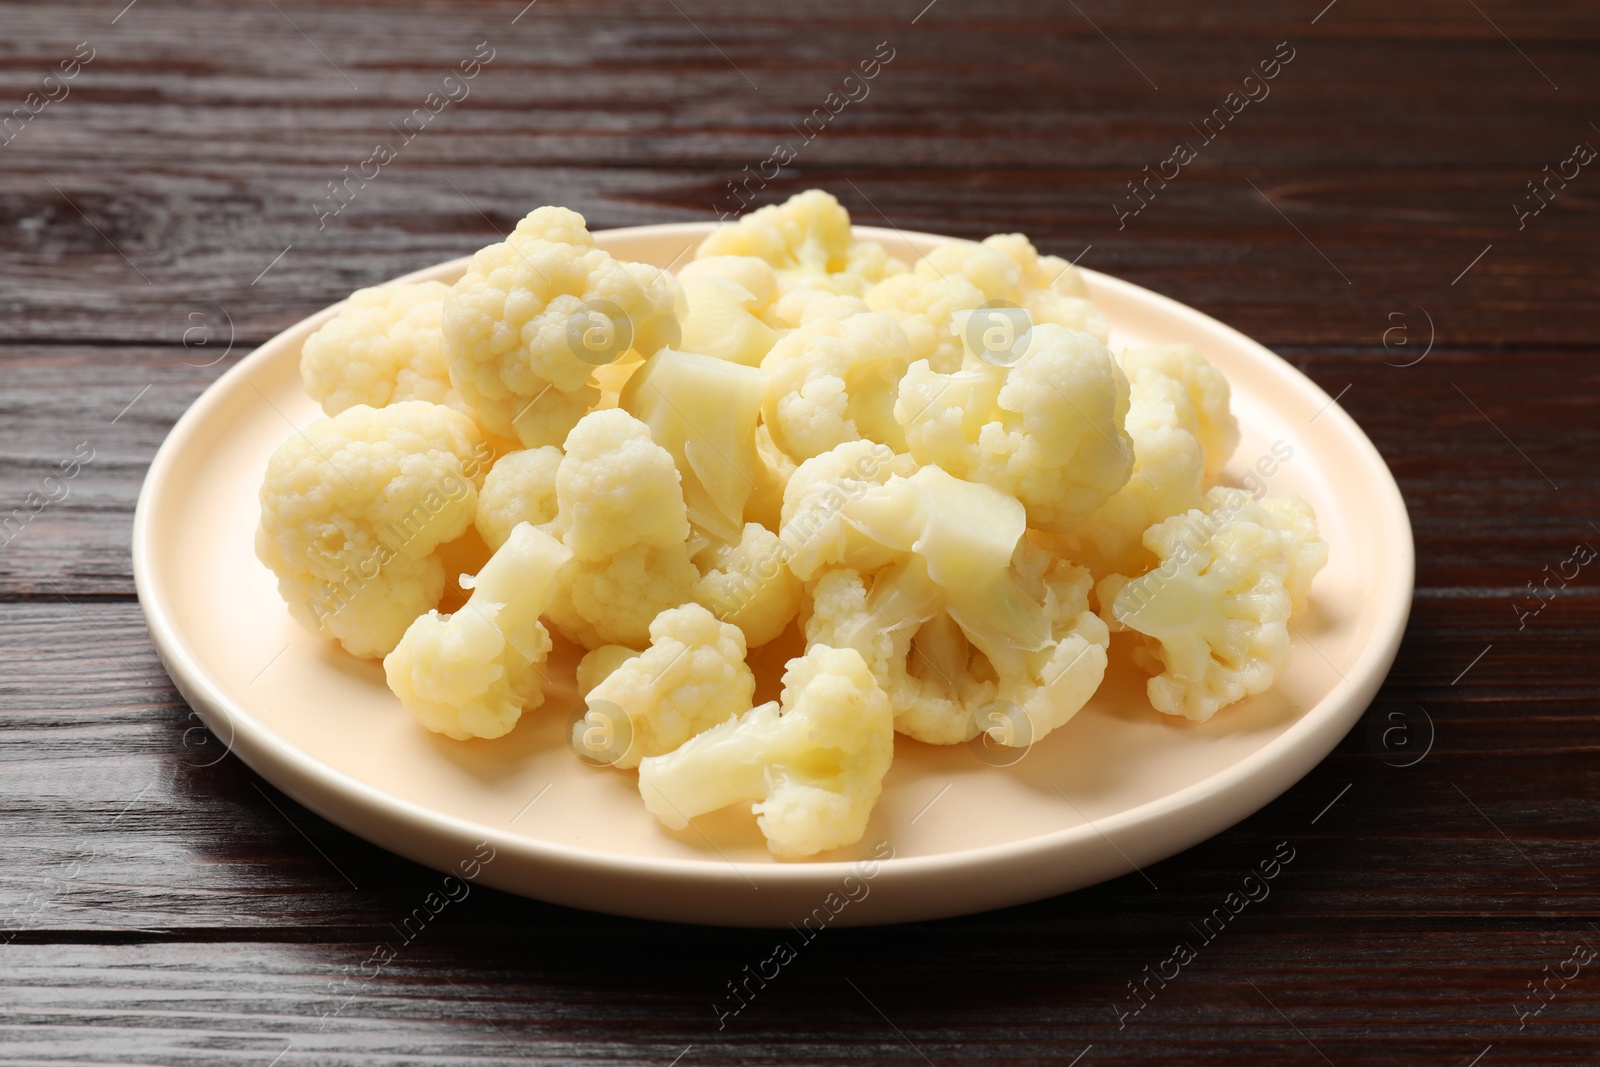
[(929, 488)]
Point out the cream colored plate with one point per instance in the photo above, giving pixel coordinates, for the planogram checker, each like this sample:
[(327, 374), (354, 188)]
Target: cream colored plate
[(1119, 785)]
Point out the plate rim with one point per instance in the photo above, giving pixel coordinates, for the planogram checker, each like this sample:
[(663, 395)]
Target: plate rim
[(264, 751)]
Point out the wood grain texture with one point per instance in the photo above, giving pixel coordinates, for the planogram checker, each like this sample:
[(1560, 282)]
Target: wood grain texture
[(160, 904)]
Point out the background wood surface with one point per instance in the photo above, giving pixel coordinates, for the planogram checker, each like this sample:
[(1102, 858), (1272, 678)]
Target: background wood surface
[(161, 905)]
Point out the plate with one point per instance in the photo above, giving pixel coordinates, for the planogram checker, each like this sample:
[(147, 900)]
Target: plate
[(1120, 786)]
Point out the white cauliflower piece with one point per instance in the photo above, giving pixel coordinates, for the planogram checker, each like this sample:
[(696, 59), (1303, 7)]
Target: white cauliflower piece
[(833, 381), (353, 511), (597, 664), (692, 677), (703, 411), (958, 615), (802, 306), (1209, 395), (1305, 553), (771, 474), (520, 487), (728, 299), (1048, 429), (814, 533), (808, 242), (1168, 468), (749, 584), (535, 314), (383, 345), (1009, 270), (923, 307), (472, 674), (1216, 610), (812, 768), (620, 510)]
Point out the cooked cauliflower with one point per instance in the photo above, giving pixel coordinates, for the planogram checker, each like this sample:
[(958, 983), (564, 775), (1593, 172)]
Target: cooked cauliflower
[(923, 307), (384, 345), (956, 611), (808, 243), (728, 298), (703, 411), (1168, 468), (771, 475), (692, 677), (814, 532), (520, 487), (472, 674), (749, 584), (597, 664), (812, 768), (535, 314), (833, 381), (620, 510), (1216, 610), (1048, 429), (802, 306), (353, 511), (1008, 269), (1209, 395)]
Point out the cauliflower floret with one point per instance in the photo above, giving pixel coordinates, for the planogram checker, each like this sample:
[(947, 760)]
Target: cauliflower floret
[(833, 381), (1048, 429), (353, 510), (804, 306), (534, 315), (520, 487), (620, 510), (384, 345), (1216, 610), (728, 298), (814, 533), (808, 242), (1296, 525), (703, 411), (472, 674), (771, 475), (1008, 270), (813, 766), (596, 666), (1168, 465), (960, 614), (922, 307), (749, 585), (692, 677), (1209, 394)]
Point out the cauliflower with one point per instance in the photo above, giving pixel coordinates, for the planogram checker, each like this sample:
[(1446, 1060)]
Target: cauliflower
[(353, 511), (520, 487), (596, 666), (1009, 271), (1215, 612), (1296, 526), (1216, 428), (814, 533), (1168, 466), (811, 768), (771, 474), (922, 307), (620, 510), (472, 674), (383, 345), (692, 677), (703, 411), (960, 612), (727, 297), (834, 380), (808, 243), (534, 315), (1048, 429), (749, 585)]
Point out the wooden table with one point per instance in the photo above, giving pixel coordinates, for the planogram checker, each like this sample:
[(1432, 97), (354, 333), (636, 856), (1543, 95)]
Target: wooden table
[(163, 906)]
